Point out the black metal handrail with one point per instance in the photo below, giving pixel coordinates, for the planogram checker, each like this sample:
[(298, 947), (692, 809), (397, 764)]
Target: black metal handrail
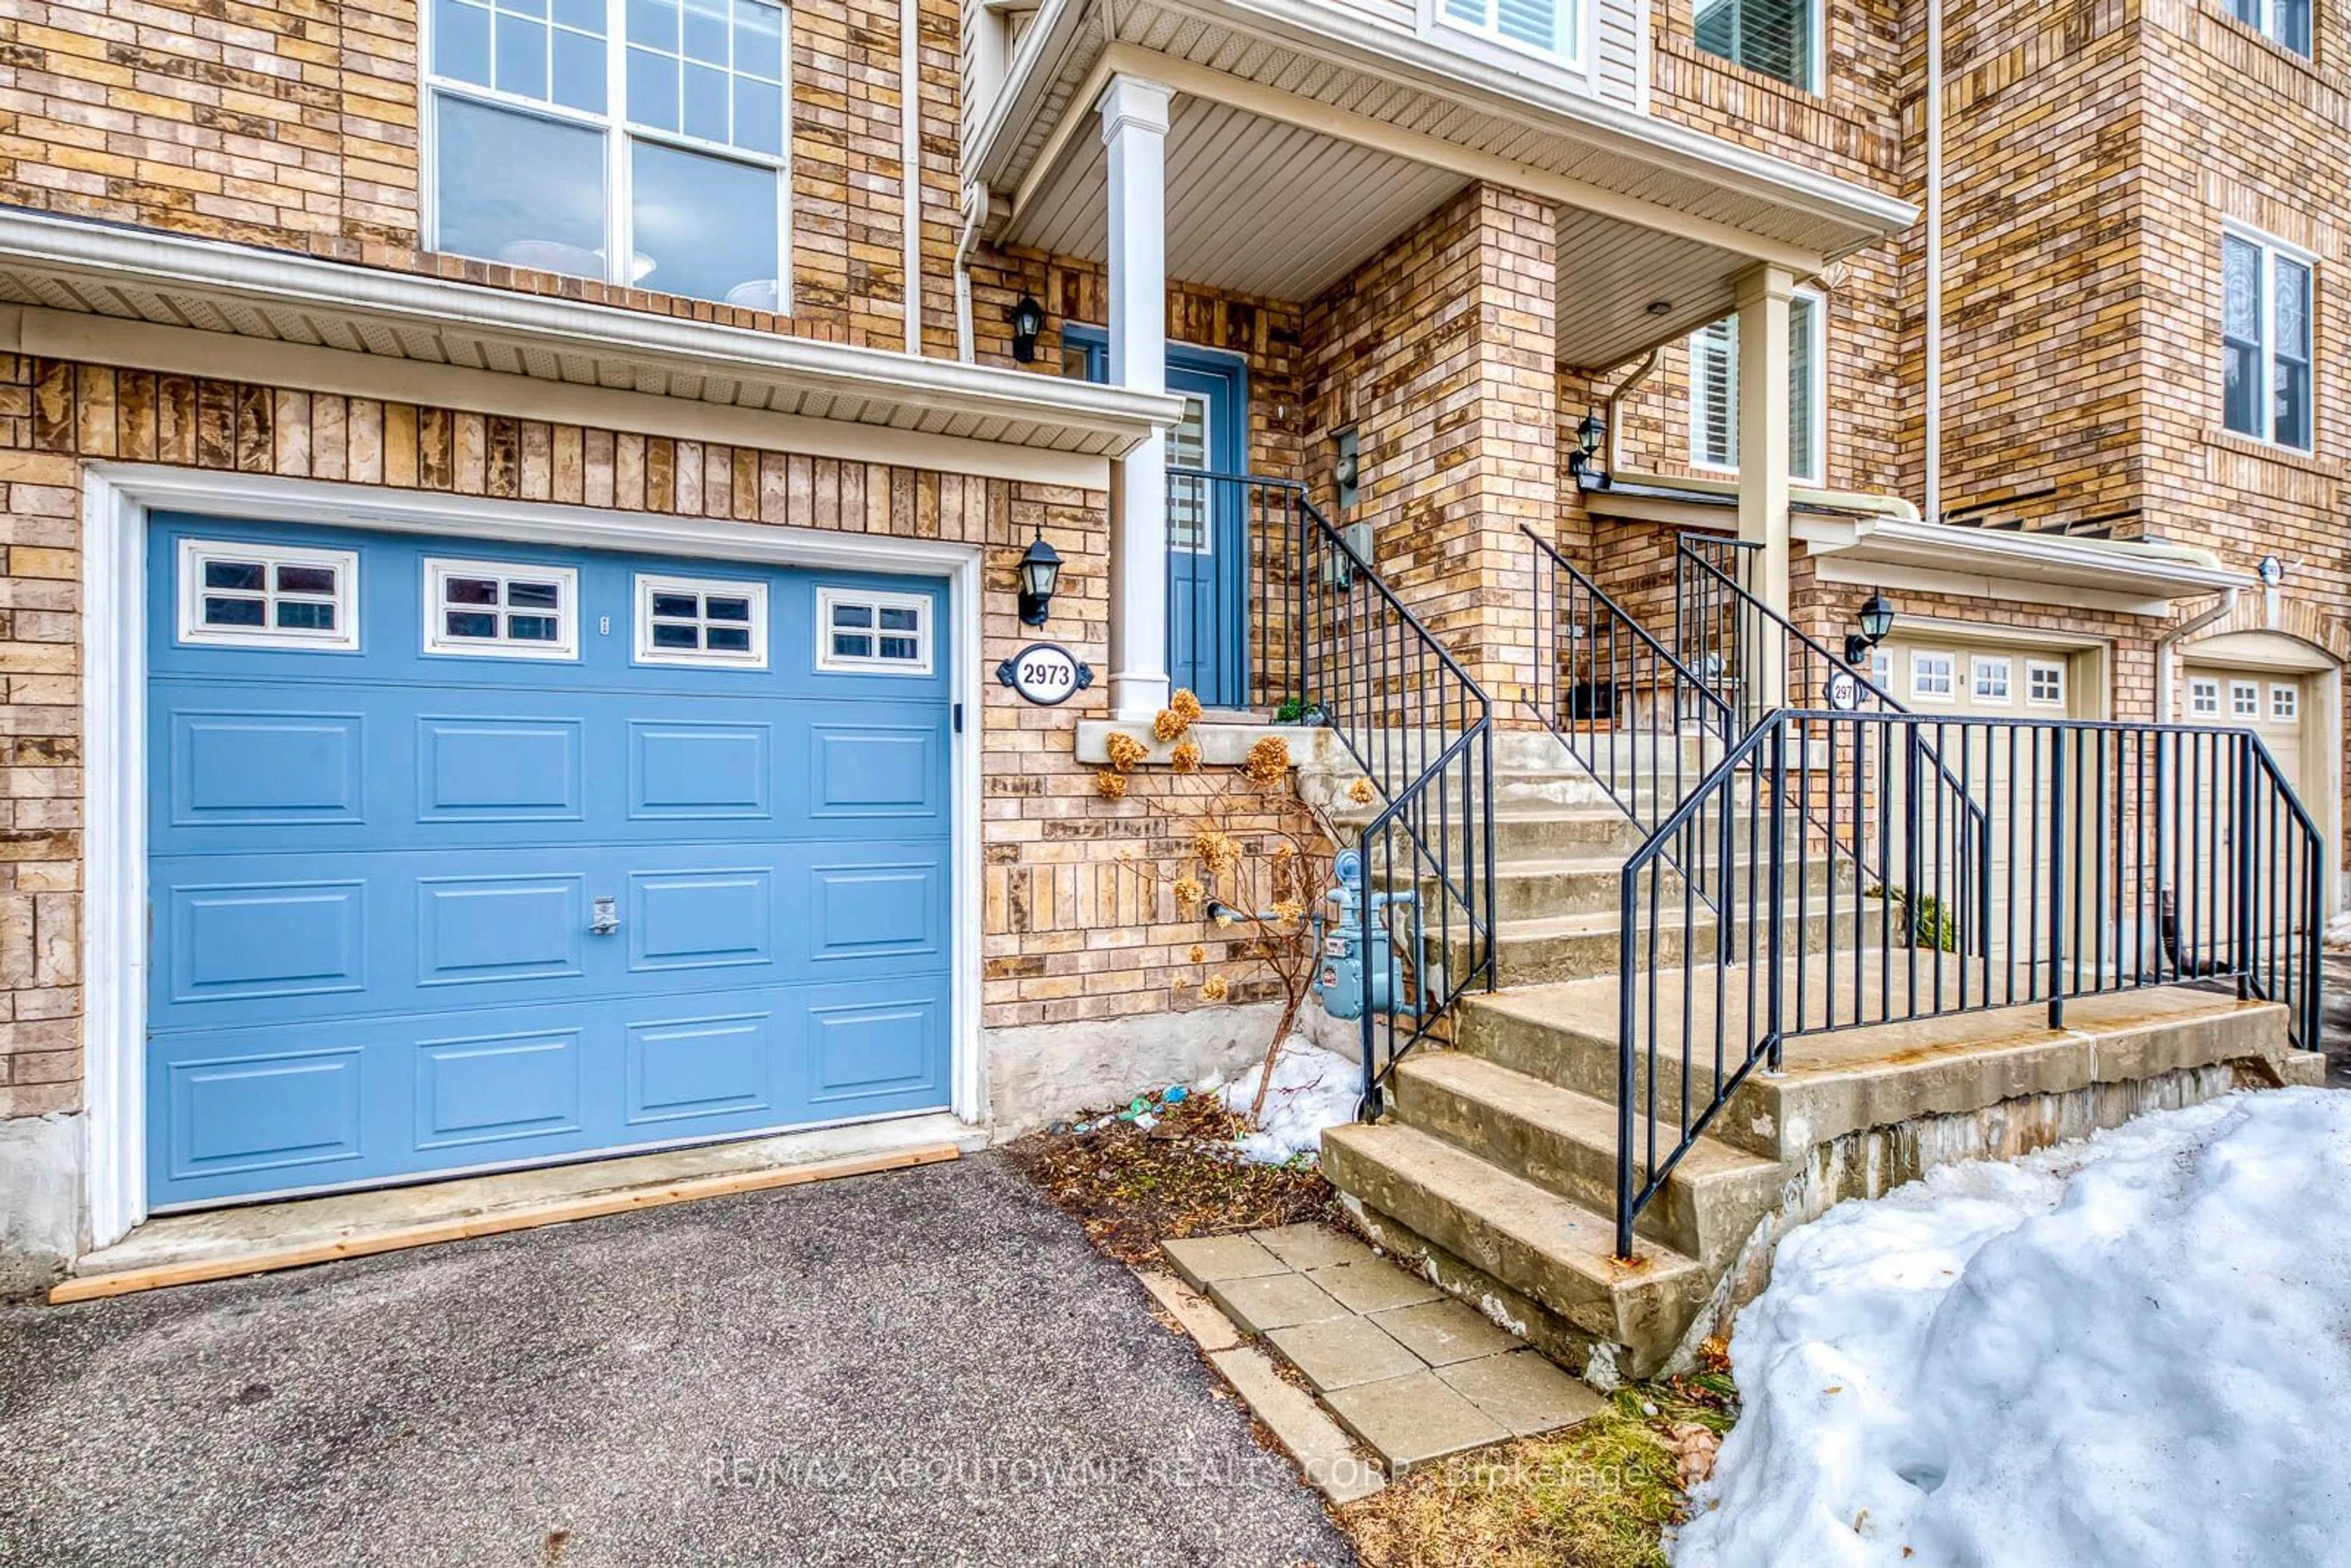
[(1330, 640), (1620, 702), (1735, 636), (2121, 856), (1235, 542)]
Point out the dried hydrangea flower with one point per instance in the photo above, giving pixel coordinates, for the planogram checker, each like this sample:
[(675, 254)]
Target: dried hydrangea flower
[(1125, 751), (1185, 705), (1168, 724), (1110, 785), (1360, 792), (1215, 988), (1268, 760)]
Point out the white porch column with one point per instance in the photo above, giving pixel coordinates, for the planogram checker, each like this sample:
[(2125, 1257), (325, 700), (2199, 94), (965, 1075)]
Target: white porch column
[(1134, 130), (1763, 446)]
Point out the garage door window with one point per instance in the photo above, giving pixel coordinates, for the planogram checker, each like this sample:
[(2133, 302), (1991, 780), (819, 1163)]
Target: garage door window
[(872, 632), (2244, 699), (2204, 698), (2285, 702), (685, 621), (2044, 684), (1931, 676), (497, 610), (1989, 678), (242, 595)]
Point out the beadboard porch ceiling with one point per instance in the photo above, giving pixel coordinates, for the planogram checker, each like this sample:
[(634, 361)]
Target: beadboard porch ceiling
[(1294, 156)]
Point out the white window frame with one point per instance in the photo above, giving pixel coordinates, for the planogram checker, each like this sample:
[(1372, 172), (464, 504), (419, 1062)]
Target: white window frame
[(194, 553), (926, 633), (1950, 676), (2244, 699), (2285, 702), (2055, 669), (2203, 697), (1806, 467), (1568, 53), (649, 584), (438, 569), (2270, 249), (1881, 670), (619, 218), (1981, 664), (2266, 21)]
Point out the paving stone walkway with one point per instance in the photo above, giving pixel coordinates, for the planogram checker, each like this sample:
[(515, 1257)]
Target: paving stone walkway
[(1412, 1374)]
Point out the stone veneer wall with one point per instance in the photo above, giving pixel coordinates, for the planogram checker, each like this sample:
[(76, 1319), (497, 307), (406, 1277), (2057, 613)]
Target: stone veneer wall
[(1068, 936)]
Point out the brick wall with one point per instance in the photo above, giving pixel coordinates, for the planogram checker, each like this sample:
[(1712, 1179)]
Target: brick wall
[(293, 124), (1066, 934), (1439, 352)]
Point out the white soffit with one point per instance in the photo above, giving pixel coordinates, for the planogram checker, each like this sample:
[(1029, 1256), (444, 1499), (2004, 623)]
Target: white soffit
[(168, 280), (2022, 565)]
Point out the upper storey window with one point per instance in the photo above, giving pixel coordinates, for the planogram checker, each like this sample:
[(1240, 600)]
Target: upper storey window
[(1546, 27), (1778, 38), (2266, 340), (638, 142), (2283, 22)]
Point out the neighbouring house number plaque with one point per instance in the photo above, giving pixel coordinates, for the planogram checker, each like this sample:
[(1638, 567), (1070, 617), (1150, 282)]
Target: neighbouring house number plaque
[(1045, 673)]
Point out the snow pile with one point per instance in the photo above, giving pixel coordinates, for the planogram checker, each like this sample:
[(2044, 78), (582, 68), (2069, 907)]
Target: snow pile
[(1313, 1089), (2134, 1350), (2337, 936)]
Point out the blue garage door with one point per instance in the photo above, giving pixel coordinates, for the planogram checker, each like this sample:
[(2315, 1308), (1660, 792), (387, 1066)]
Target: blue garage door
[(467, 854)]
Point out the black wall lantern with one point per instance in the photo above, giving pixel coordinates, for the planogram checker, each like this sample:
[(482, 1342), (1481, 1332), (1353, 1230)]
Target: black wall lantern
[(1590, 432), (1041, 573), (1877, 621), (1028, 320)]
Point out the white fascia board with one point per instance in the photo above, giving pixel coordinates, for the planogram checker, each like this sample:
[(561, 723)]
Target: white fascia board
[(2147, 572), (1316, 27), (1067, 414)]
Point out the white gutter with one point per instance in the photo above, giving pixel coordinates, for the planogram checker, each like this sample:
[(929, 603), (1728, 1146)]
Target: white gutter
[(1933, 507), (2167, 692), (909, 163), (975, 217), (852, 382)]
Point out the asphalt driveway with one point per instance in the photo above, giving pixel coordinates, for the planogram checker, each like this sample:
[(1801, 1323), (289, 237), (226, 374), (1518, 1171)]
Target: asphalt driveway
[(930, 1366)]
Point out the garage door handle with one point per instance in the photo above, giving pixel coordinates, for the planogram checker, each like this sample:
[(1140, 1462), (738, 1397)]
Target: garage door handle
[(606, 918)]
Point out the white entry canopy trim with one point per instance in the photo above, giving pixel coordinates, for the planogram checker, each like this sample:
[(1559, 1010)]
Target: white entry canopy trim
[(2034, 568), (72, 266)]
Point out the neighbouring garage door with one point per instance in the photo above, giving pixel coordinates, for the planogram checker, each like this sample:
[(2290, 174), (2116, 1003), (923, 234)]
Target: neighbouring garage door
[(465, 854), (2271, 702), (2007, 769)]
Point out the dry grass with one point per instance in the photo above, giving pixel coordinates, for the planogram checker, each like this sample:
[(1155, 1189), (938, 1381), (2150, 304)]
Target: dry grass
[(1132, 1189), (1598, 1496)]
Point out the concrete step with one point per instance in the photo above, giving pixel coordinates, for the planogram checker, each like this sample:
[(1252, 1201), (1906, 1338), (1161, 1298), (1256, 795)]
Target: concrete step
[(1881, 1075), (1547, 949), (1539, 887), (1565, 1143), (1555, 1252), (1523, 832)]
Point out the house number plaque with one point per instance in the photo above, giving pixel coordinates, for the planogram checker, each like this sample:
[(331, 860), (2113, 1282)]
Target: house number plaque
[(1045, 673)]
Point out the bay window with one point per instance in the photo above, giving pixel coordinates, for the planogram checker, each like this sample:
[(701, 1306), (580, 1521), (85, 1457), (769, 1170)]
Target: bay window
[(637, 141)]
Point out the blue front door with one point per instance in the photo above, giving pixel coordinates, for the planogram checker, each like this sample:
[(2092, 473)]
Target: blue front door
[(465, 854), (1208, 521)]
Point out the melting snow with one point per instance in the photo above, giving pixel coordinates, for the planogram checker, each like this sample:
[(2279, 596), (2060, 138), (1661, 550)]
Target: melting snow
[(2134, 1350), (1313, 1089)]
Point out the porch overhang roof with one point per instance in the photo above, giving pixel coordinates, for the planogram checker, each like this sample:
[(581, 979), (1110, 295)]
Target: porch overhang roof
[(78, 284), (2131, 576), (1649, 211)]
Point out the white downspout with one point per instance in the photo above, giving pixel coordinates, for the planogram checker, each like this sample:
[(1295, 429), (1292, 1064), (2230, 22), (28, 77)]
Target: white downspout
[(975, 216), (2166, 695), (1625, 389), (910, 165), (1933, 508)]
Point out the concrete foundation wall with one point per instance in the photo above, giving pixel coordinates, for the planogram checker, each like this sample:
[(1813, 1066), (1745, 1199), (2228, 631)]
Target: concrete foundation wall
[(40, 1200)]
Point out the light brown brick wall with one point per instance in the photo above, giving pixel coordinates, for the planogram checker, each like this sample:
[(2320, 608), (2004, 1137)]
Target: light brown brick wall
[(292, 124), (1439, 352), (1067, 933)]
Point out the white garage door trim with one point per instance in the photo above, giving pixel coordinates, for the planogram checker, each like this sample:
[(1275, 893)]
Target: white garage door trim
[(116, 501)]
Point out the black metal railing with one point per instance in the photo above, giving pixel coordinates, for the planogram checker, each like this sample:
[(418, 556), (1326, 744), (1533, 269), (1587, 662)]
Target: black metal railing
[(2119, 856), (1623, 706), (1330, 642), (1235, 611), (1756, 660)]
